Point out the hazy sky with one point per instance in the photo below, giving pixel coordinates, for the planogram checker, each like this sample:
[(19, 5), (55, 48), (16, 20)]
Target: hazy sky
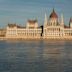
[(19, 11)]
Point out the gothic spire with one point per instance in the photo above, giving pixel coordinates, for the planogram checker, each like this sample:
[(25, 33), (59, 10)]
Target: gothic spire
[(62, 20), (46, 20)]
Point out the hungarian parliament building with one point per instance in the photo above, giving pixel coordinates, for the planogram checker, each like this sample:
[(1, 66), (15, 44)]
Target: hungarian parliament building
[(52, 29)]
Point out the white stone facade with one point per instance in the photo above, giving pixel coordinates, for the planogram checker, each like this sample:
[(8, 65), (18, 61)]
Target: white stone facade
[(55, 30), (52, 29), (31, 31)]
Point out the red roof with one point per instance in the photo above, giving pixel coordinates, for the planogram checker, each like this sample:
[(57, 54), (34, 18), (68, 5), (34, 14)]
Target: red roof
[(66, 26), (11, 25), (20, 26), (32, 21), (53, 14)]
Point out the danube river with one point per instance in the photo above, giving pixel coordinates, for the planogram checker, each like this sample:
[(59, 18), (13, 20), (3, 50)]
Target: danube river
[(36, 56)]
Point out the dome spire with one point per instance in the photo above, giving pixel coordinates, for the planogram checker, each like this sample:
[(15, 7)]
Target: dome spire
[(53, 14)]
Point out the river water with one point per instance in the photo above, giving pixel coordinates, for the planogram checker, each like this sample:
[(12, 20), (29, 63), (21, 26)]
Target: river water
[(36, 56)]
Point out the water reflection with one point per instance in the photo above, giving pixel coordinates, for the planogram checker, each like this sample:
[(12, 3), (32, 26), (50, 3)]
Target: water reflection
[(36, 56)]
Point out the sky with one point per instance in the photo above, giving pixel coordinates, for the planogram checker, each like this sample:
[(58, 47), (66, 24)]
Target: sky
[(19, 11)]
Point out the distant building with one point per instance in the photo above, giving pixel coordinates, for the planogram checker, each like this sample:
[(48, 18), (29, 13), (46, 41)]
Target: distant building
[(31, 31)]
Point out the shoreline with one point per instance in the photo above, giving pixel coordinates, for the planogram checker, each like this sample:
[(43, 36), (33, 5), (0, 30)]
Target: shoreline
[(33, 39)]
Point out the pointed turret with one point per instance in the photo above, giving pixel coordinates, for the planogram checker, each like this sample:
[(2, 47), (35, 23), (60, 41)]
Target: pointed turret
[(62, 20), (70, 23), (46, 20)]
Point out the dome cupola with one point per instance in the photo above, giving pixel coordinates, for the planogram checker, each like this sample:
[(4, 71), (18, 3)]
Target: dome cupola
[(53, 14)]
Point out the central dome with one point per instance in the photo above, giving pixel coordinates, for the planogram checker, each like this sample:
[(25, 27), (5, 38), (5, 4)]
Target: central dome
[(53, 14)]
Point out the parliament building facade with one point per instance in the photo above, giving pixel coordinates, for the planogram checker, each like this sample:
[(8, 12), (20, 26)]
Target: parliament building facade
[(52, 29)]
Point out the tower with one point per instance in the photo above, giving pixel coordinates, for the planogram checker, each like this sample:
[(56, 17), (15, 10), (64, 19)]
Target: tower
[(45, 26), (45, 21), (62, 20)]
